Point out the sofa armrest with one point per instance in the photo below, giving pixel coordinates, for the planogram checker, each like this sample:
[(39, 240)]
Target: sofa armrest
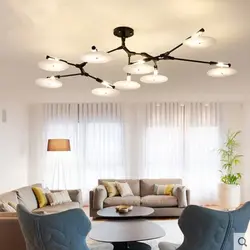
[(180, 192), (188, 196), (74, 194), (99, 195)]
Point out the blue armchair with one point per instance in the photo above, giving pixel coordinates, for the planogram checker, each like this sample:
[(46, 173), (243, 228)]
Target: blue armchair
[(60, 231), (207, 229)]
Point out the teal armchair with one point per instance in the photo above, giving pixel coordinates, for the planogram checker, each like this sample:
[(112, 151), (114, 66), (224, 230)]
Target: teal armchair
[(208, 229), (59, 231)]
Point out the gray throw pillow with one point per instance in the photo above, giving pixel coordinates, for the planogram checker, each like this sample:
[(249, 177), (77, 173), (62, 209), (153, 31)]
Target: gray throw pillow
[(180, 193)]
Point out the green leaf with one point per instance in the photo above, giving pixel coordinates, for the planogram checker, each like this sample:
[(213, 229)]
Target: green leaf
[(230, 159)]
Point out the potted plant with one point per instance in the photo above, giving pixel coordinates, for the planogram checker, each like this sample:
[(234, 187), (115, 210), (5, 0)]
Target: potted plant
[(229, 190)]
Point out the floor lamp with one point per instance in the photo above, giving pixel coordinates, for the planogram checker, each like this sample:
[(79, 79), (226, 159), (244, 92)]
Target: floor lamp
[(58, 145)]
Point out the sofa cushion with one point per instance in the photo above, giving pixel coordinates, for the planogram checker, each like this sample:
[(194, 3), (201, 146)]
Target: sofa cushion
[(5, 207), (40, 196), (117, 200), (27, 197), (159, 201), (134, 184), (147, 185), (111, 188), (9, 197), (124, 189), (58, 208), (163, 189)]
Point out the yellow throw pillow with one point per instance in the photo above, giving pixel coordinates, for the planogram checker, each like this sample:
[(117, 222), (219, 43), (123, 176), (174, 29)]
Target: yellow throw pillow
[(163, 189), (111, 188), (40, 196)]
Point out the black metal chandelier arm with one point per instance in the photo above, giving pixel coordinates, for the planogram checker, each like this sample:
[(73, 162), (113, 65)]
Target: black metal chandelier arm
[(69, 75), (113, 50), (194, 61), (83, 73), (181, 44), (61, 60)]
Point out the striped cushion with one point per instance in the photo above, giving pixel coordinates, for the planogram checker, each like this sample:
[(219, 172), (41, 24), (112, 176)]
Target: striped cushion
[(5, 207), (58, 198), (163, 189)]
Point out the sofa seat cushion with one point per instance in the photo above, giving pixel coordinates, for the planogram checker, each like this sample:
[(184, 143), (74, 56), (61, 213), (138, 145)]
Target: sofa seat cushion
[(57, 208), (118, 200), (159, 201)]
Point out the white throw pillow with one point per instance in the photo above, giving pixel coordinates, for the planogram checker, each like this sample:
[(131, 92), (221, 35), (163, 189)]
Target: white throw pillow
[(57, 198), (124, 189), (5, 207)]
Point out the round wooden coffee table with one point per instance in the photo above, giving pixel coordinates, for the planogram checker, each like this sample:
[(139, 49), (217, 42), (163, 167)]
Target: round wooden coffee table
[(137, 211), (125, 234)]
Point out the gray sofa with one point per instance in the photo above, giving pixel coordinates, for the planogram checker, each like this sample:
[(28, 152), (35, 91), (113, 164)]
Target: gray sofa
[(26, 197), (10, 234), (143, 190)]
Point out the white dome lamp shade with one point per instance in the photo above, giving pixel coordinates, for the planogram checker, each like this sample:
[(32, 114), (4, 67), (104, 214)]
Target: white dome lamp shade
[(108, 91), (138, 68), (154, 78), (51, 83), (127, 84), (105, 92), (96, 56), (222, 70), (53, 65), (199, 41)]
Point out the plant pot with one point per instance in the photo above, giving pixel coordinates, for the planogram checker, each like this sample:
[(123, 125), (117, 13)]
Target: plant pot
[(229, 195)]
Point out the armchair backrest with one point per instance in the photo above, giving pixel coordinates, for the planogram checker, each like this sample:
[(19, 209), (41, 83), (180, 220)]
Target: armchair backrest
[(206, 229), (48, 232)]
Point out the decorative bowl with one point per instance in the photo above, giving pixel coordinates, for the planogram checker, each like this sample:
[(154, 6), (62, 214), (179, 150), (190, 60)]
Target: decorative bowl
[(123, 208)]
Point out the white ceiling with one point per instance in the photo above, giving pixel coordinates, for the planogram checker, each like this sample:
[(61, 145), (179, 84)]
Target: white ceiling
[(31, 29)]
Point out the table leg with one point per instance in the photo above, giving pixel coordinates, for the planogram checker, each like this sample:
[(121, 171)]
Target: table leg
[(131, 246)]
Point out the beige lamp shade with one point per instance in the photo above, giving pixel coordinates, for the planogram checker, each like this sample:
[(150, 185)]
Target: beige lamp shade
[(58, 145)]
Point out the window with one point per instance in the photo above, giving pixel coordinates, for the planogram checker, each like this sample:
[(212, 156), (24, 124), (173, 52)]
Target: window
[(164, 150)]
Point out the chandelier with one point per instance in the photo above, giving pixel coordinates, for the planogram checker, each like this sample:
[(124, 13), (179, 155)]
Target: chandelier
[(147, 65)]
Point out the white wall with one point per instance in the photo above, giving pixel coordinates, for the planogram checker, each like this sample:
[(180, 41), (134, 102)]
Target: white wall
[(14, 143)]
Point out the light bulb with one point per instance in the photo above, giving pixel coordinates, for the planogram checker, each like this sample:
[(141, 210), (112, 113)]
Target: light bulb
[(141, 61), (128, 77), (222, 64), (106, 84), (155, 71)]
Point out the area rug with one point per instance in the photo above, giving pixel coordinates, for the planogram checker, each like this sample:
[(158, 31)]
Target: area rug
[(173, 234)]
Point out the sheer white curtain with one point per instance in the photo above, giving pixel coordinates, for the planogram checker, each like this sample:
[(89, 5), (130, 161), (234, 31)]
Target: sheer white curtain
[(181, 141), (112, 140), (101, 142), (202, 140), (164, 140)]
